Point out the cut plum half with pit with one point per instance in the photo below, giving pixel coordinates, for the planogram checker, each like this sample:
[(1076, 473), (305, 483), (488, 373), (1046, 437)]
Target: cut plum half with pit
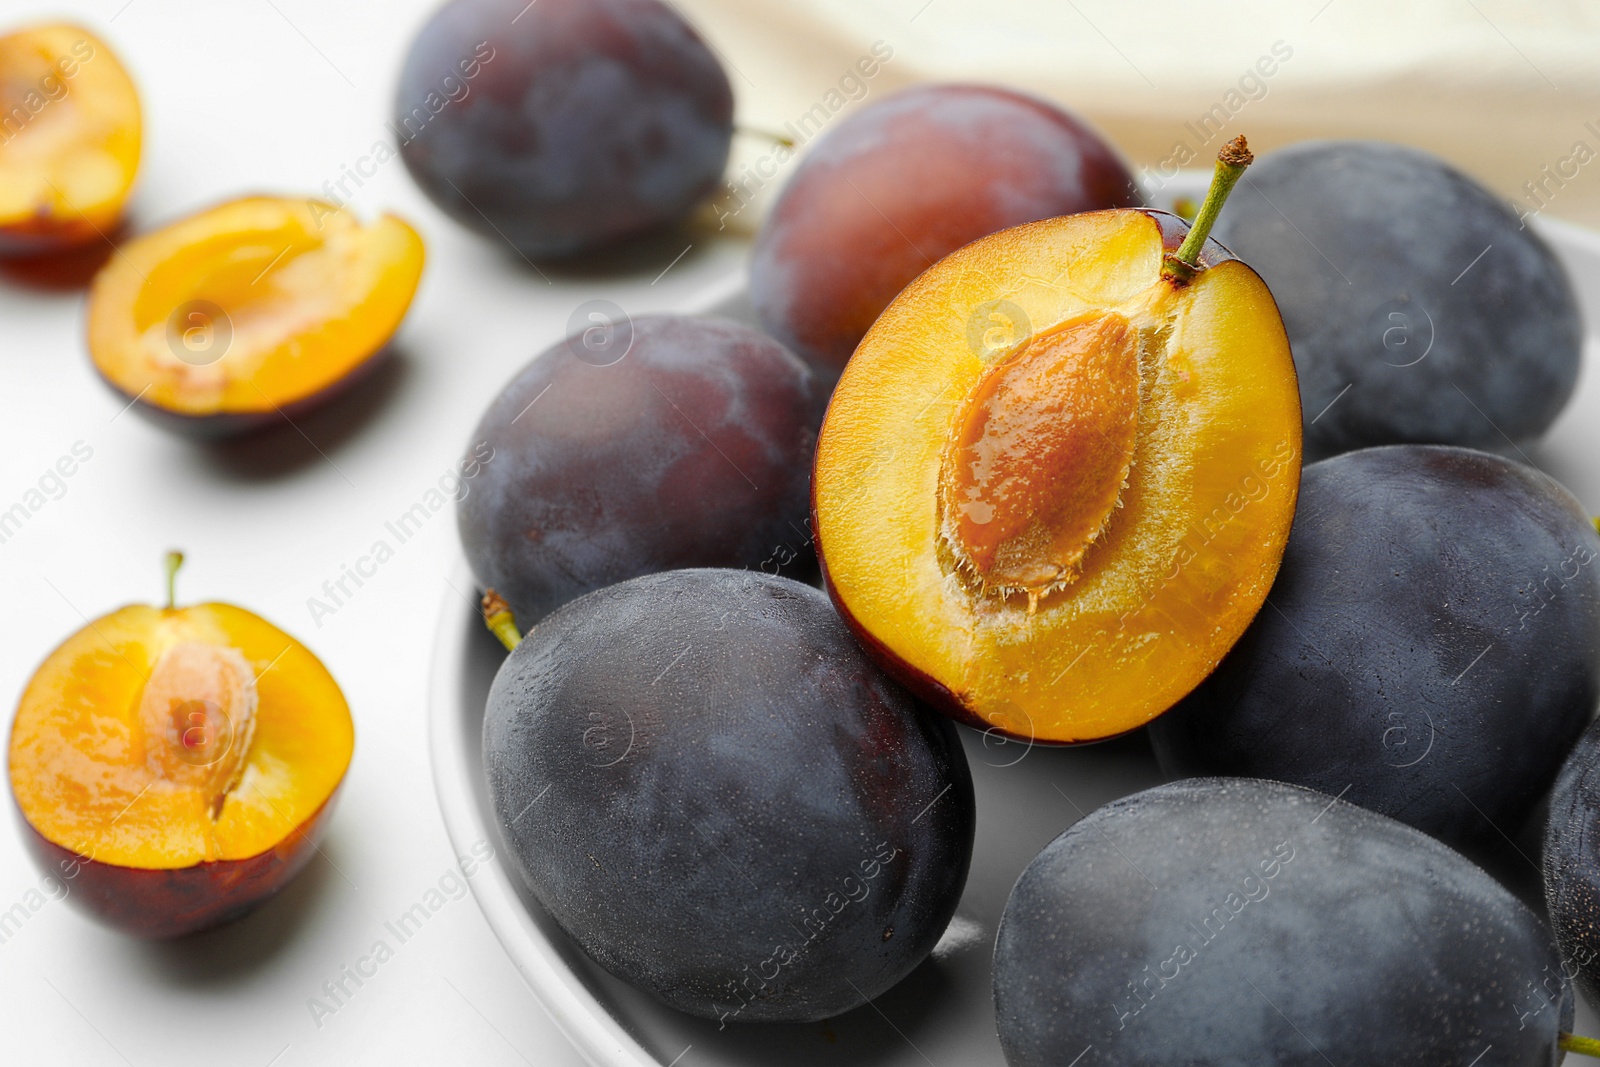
[(1058, 475), (177, 765)]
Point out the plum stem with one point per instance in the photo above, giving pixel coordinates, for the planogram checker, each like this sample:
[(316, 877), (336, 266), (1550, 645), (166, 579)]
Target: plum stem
[(1180, 267), (174, 561), (1583, 1046), (765, 135), (498, 618)]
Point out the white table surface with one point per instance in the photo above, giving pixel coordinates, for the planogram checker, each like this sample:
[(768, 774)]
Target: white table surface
[(276, 95)]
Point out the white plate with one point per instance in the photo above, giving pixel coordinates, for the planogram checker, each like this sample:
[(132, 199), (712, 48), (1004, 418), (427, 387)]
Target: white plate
[(942, 1014)]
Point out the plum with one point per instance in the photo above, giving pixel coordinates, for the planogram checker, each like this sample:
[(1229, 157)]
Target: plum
[(717, 795), (642, 445), (232, 734), (565, 125), (251, 312), (1571, 865), (1419, 307), (1058, 543), (71, 133), (1237, 921), (900, 184), (1430, 650)]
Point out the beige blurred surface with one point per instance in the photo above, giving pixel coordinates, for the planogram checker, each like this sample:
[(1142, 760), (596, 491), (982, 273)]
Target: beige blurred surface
[(1508, 90)]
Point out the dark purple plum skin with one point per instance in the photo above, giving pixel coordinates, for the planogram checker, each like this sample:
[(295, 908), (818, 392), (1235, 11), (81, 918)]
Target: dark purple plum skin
[(714, 791), (1372, 251), (692, 450), (1572, 865), (902, 183), (585, 121), (1430, 649), (1316, 932)]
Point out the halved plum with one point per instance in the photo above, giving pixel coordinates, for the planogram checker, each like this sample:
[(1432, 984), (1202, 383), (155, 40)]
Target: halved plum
[(255, 309), (70, 133), (1057, 477), (175, 766)]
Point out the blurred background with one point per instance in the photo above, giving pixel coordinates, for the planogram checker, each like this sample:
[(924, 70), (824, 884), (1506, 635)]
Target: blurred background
[(1508, 90), (285, 96)]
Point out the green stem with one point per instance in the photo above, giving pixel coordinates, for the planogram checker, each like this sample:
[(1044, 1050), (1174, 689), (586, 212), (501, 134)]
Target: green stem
[(1583, 1046), (766, 135), (498, 618), (174, 561), (1180, 266)]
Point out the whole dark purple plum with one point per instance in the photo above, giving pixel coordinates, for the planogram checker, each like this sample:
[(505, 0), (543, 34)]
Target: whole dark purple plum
[(1419, 307), (668, 442), (1430, 649), (1221, 921), (565, 125), (904, 182), (712, 789)]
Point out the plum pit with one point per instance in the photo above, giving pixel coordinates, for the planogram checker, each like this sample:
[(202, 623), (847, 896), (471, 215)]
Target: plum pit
[(197, 716), (1039, 455)]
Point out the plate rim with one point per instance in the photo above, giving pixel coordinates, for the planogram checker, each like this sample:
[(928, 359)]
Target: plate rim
[(586, 1024), (583, 1020)]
